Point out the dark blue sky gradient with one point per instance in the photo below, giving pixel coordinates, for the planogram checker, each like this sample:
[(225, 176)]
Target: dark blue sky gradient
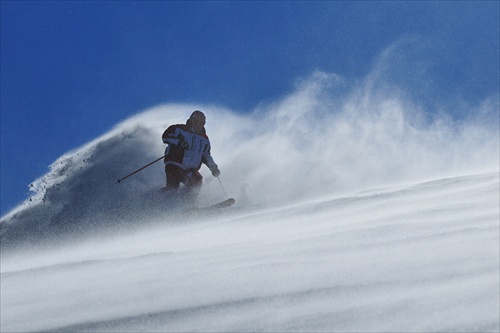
[(71, 70)]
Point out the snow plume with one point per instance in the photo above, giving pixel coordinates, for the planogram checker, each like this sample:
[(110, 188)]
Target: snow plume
[(326, 138), (320, 141)]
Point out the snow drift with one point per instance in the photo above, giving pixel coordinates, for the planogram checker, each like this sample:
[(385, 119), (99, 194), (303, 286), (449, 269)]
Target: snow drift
[(357, 210)]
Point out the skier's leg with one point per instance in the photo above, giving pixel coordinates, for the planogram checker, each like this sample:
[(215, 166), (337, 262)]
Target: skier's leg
[(193, 185), (174, 176)]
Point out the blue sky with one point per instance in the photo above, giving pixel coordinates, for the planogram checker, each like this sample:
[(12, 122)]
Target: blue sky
[(71, 70)]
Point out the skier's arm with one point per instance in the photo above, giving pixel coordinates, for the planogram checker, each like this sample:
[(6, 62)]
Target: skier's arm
[(210, 163), (169, 137)]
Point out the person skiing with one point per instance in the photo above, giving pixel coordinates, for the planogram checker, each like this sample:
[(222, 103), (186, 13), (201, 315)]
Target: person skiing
[(188, 147)]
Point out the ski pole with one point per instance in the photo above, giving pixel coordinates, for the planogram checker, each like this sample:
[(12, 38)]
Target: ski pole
[(222, 187), (136, 171)]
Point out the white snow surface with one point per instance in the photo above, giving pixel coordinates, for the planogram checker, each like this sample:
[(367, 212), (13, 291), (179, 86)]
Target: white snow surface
[(354, 212)]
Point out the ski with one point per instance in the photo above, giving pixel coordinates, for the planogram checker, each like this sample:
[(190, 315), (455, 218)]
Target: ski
[(223, 204), (226, 203)]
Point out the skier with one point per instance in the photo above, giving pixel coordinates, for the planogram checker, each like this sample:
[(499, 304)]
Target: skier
[(188, 147)]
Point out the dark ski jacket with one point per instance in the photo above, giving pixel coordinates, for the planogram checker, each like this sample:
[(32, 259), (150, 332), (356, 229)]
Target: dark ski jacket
[(194, 154)]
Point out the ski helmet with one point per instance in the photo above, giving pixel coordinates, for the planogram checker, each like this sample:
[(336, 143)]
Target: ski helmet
[(197, 115)]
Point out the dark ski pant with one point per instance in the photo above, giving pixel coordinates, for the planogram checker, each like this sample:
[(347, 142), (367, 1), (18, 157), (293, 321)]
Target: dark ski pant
[(192, 179)]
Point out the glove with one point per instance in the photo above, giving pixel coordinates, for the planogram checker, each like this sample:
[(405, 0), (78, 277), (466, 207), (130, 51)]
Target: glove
[(215, 171), (183, 144)]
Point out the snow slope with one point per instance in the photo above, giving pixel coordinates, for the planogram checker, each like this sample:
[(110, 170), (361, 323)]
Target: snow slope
[(355, 212), (423, 257)]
